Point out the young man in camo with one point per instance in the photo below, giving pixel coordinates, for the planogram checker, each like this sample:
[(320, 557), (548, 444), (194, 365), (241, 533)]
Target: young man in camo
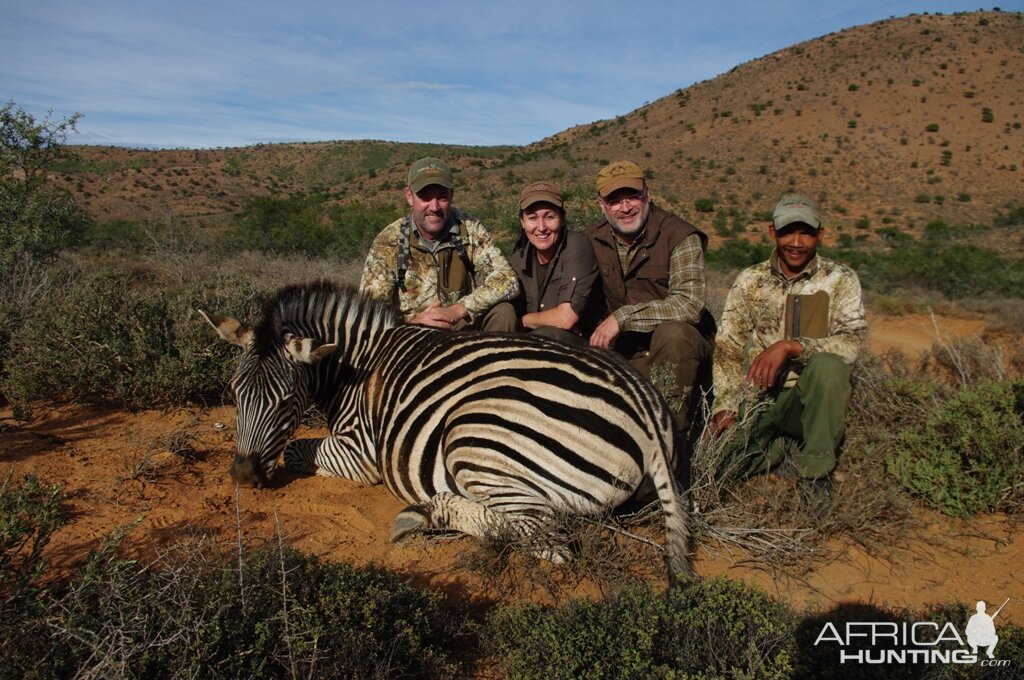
[(438, 267), (790, 330)]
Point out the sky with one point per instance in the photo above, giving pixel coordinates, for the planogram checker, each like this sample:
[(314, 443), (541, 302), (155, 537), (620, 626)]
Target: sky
[(222, 73)]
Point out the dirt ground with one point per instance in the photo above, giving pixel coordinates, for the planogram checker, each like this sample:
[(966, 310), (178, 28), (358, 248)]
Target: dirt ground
[(96, 455)]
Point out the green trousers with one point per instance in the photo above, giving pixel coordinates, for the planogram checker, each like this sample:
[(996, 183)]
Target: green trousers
[(812, 412)]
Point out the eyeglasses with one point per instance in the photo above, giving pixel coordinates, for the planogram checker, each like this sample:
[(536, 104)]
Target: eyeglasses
[(622, 201)]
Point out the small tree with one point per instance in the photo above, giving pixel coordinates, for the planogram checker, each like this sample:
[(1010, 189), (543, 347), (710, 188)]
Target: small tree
[(36, 219)]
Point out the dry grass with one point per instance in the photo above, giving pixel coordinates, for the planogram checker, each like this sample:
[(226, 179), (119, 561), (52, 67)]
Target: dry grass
[(163, 456), (604, 551)]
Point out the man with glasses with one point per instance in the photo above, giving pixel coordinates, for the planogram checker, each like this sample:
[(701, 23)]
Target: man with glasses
[(436, 266), (652, 270)]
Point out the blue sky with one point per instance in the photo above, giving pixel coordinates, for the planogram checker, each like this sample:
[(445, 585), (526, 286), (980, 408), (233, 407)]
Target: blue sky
[(213, 73)]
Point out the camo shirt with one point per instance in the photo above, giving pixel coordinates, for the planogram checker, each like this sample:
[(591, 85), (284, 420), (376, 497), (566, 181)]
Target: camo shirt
[(754, 319), (492, 279)]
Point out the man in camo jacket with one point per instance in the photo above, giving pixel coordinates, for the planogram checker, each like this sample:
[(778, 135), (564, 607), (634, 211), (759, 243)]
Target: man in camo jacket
[(437, 267), (790, 330)]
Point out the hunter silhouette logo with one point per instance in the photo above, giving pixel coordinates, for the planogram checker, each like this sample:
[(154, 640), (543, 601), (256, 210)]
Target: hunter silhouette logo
[(981, 629)]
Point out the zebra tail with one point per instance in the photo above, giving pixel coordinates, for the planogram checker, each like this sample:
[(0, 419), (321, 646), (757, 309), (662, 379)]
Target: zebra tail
[(676, 513)]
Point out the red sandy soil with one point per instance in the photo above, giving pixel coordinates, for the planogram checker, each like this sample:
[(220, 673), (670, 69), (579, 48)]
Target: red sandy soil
[(89, 451)]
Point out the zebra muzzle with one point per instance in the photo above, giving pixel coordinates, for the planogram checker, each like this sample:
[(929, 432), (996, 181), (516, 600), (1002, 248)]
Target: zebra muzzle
[(245, 471)]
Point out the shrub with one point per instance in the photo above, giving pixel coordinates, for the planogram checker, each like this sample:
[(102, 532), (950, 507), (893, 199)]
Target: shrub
[(737, 254), (714, 628), (201, 612), (309, 224), (968, 455), (932, 127), (125, 235), (892, 234), (957, 271), (36, 218), (109, 338), (1014, 216), (283, 614), (29, 514), (704, 205)]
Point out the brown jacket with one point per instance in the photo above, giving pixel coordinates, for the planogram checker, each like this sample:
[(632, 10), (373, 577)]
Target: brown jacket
[(647, 278), (571, 277)]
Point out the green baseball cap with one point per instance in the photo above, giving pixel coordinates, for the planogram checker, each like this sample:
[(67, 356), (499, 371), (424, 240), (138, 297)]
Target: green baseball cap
[(427, 171), (793, 208)]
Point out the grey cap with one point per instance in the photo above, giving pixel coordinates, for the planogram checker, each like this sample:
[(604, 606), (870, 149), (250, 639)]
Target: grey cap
[(793, 208)]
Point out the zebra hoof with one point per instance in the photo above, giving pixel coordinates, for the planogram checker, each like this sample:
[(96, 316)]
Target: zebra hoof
[(555, 554), (409, 521)]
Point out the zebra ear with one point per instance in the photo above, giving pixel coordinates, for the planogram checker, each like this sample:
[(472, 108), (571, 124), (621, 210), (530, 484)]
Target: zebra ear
[(307, 350), (232, 330)]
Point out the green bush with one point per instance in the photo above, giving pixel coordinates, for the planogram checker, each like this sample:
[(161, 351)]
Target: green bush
[(704, 205), (310, 224), (1013, 217), (737, 254), (36, 218), (955, 270), (110, 338), (702, 629), (126, 235), (968, 454), (200, 612), (29, 514), (284, 614)]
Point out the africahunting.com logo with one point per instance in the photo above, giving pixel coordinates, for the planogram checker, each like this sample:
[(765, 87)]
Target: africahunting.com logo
[(921, 642)]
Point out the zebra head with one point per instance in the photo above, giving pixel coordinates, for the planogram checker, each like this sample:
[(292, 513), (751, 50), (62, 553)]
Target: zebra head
[(271, 389)]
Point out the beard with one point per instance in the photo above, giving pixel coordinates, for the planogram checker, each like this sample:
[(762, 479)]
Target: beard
[(630, 231)]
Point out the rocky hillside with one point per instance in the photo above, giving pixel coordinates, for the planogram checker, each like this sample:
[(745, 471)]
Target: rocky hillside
[(891, 125)]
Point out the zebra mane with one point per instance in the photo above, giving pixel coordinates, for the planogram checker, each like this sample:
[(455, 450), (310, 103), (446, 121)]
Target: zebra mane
[(297, 304)]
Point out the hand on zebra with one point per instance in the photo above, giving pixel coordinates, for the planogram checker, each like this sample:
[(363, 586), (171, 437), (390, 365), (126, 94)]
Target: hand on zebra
[(437, 316), (606, 333)]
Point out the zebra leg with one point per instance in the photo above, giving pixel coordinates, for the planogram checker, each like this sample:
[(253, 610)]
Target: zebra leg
[(333, 456), (300, 456), (447, 511)]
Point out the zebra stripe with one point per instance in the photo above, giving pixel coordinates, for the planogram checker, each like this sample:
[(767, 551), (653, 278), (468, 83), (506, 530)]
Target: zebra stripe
[(472, 430)]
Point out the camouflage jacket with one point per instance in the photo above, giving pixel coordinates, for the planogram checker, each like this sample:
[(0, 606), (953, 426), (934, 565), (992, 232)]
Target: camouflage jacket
[(440, 275), (764, 307)]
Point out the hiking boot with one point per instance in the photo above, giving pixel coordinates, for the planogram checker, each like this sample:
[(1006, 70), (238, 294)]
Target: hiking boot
[(816, 497)]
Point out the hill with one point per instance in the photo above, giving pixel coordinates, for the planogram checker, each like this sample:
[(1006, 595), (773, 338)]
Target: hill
[(891, 124)]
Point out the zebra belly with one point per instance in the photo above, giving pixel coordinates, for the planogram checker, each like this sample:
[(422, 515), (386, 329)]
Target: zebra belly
[(511, 458)]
